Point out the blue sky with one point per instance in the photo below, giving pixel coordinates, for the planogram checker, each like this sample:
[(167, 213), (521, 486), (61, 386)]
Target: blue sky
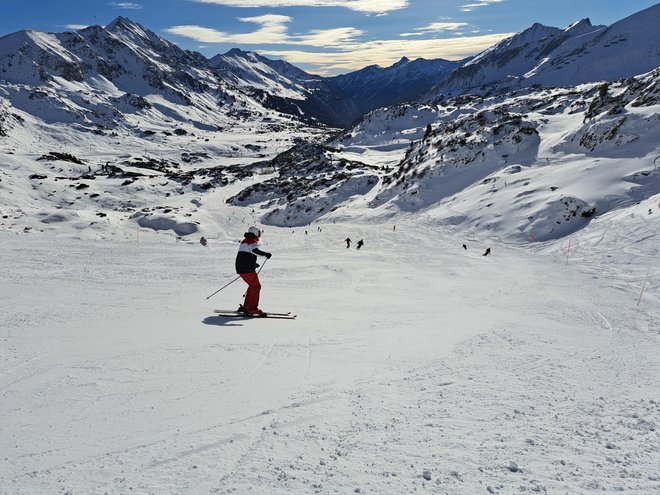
[(322, 36)]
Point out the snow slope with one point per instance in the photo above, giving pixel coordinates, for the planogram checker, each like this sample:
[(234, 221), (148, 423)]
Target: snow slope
[(414, 365)]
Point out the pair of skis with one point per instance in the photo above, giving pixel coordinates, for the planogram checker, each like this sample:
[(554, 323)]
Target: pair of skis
[(230, 313)]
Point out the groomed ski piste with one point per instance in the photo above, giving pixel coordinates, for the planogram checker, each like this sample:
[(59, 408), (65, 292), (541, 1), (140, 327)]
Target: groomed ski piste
[(414, 365)]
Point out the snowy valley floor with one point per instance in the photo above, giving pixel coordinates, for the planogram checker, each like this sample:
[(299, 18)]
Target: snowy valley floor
[(414, 366)]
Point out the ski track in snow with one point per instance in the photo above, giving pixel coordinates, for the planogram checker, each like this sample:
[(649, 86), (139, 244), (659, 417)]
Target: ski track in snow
[(414, 366)]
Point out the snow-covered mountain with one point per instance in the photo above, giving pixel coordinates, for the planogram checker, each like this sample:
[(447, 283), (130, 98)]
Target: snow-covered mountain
[(626, 48), (109, 127), (374, 86), (119, 78), (104, 123), (336, 101), (548, 56), (284, 87)]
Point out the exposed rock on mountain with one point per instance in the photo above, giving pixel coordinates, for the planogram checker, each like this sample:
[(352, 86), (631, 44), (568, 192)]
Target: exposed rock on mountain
[(309, 181), (284, 87), (532, 164)]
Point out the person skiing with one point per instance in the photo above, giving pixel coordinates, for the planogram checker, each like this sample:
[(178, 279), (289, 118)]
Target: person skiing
[(246, 265), (348, 242), (360, 244)]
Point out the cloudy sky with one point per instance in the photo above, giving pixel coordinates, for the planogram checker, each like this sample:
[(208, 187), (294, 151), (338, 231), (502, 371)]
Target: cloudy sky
[(322, 36)]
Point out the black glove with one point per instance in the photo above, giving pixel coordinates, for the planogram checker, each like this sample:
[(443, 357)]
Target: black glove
[(267, 255)]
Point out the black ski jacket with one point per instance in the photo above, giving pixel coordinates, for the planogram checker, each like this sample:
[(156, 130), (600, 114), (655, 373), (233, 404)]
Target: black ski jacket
[(246, 259)]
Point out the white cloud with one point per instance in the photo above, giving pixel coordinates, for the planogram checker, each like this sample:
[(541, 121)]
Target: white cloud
[(201, 34), (388, 52), (368, 6), (126, 5), (341, 48), (75, 27), (273, 31), (444, 26), (480, 3), (438, 27), (328, 38)]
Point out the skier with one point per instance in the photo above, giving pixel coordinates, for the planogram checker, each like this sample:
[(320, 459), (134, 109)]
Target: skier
[(348, 242), (246, 265), (203, 241), (360, 244), (487, 252)]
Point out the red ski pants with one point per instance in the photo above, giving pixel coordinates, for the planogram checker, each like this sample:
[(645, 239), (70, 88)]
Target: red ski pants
[(254, 288)]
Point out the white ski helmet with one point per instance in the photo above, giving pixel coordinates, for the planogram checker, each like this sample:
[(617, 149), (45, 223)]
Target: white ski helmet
[(255, 231)]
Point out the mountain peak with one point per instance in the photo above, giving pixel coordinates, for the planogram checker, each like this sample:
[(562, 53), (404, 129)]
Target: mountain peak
[(403, 61), (141, 38), (579, 27), (236, 52), (123, 24), (538, 31), (582, 22)]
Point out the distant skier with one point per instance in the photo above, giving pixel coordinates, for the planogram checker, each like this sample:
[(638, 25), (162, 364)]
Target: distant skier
[(360, 244), (203, 241), (246, 265), (464, 247), (487, 252), (348, 242)]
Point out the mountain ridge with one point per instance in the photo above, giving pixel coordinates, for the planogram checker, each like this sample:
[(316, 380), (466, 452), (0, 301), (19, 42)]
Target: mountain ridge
[(287, 88), (374, 86), (547, 56)]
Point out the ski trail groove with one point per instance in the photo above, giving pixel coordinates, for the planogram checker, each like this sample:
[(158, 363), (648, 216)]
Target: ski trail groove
[(608, 342), (196, 450), (253, 372)]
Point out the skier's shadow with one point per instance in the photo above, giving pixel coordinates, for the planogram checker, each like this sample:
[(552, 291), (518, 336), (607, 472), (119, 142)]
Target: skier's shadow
[(219, 321)]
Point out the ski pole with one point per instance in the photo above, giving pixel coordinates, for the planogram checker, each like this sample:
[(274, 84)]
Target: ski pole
[(262, 266), (227, 285)]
